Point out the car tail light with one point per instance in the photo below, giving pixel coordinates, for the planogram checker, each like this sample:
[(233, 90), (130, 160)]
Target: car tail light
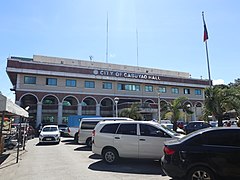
[(168, 151), (93, 133)]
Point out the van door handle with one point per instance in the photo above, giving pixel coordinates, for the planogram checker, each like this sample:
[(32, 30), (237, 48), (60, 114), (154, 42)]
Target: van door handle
[(117, 137), (142, 139)]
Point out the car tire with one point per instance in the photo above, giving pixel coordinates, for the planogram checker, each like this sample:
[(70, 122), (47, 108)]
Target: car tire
[(110, 155), (89, 142), (200, 172), (76, 138)]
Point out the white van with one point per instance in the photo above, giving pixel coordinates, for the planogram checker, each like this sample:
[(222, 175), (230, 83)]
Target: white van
[(87, 125)]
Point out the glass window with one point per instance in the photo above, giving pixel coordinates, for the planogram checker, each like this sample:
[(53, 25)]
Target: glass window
[(110, 128), (223, 138), (162, 90), (198, 92), (51, 81), (147, 130), (149, 88), (89, 124), (175, 91), (29, 80), (89, 84), (128, 87), (186, 91), (71, 83), (128, 129), (107, 85)]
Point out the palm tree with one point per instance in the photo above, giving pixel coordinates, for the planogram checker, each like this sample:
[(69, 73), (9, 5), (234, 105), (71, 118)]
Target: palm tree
[(175, 110), (220, 99), (132, 112)]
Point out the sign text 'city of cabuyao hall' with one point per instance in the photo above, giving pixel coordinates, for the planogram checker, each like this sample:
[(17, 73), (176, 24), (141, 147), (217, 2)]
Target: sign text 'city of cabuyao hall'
[(125, 75)]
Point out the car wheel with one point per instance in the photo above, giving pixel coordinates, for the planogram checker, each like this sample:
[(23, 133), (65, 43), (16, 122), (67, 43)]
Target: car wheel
[(89, 142), (202, 173), (110, 156)]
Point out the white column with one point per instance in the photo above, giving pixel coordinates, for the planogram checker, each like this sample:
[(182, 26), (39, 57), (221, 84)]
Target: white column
[(98, 110), (60, 110), (79, 110), (39, 113)]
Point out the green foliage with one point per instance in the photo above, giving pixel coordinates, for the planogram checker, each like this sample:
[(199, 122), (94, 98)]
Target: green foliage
[(132, 112), (221, 99)]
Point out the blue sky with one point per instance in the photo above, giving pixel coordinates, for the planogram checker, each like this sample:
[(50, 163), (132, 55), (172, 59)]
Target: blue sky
[(170, 34)]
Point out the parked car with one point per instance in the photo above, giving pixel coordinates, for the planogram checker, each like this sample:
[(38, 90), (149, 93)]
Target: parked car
[(130, 139), (195, 125), (63, 128), (208, 153), (87, 125), (49, 133), (170, 126)]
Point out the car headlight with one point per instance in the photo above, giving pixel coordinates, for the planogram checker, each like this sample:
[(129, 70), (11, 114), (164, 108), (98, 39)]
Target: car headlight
[(56, 135), (40, 135)]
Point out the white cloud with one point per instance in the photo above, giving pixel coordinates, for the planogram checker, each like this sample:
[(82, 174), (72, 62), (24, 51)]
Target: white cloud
[(218, 81)]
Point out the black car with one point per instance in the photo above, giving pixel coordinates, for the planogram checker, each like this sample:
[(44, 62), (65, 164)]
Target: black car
[(63, 128), (204, 154), (195, 125)]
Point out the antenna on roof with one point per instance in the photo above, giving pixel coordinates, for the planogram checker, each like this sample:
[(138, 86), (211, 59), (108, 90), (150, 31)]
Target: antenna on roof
[(107, 41)]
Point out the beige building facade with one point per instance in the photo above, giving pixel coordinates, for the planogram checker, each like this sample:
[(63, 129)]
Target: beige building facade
[(55, 88)]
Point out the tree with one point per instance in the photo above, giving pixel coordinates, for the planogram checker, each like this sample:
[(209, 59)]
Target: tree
[(175, 110), (221, 99), (132, 112)]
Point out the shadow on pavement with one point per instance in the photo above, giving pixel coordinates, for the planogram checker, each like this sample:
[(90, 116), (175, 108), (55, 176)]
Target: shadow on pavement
[(83, 148), (95, 156), (47, 144), (130, 166), (3, 157)]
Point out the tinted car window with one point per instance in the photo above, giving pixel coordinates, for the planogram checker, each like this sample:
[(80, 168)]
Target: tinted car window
[(89, 124), (147, 130), (222, 138), (109, 128), (129, 129)]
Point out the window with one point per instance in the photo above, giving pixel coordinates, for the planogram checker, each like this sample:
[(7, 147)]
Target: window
[(147, 130), (162, 90), (29, 80), (128, 87), (175, 91), (89, 124), (149, 88), (71, 83), (51, 81), (89, 84), (223, 138), (198, 92), (128, 129), (110, 128), (186, 91), (107, 85)]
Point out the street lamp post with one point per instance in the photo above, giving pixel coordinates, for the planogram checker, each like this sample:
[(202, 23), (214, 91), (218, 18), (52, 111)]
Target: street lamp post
[(188, 106), (116, 99), (159, 109)]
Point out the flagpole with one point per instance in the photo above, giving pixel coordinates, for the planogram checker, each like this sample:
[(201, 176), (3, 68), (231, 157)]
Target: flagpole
[(107, 41), (205, 40)]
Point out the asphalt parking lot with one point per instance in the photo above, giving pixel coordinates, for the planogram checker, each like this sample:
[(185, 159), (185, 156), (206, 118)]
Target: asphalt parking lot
[(72, 161)]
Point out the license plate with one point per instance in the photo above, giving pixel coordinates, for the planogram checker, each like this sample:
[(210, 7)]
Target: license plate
[(48, 139)]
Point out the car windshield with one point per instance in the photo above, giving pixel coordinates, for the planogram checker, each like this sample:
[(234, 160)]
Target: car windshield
[(49, 129)]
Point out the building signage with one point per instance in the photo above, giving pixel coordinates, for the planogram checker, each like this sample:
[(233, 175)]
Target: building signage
[(125, 75)]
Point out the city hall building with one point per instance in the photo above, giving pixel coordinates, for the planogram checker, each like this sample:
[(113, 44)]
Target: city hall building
[(55, 88)]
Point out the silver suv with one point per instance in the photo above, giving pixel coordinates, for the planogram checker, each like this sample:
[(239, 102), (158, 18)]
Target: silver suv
[(130, 139)]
